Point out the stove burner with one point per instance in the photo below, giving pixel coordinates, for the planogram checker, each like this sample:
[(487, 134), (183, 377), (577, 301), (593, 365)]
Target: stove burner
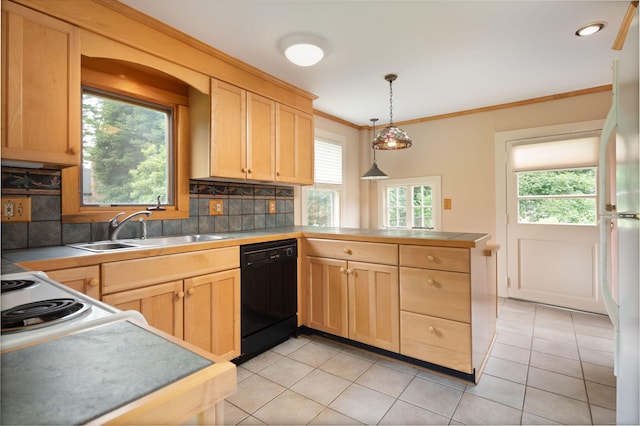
[(40, 313), (11, 285)]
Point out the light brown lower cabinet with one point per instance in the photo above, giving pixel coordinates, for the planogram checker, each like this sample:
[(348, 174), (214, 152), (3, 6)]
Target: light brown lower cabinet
[(211, 313), (161, 304), (200, 310), (327, 295), (373, 305), (430, 303), (85, 279), (199, 304), (355, 300)]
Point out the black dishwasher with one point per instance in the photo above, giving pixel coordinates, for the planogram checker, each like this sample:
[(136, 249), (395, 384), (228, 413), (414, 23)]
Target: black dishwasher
[(269, 296)]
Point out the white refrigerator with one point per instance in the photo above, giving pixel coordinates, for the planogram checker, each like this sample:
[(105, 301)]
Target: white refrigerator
[(620, 225)]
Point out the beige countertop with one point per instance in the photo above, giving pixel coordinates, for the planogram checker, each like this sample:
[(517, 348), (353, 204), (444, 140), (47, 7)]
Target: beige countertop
[(68, 257)]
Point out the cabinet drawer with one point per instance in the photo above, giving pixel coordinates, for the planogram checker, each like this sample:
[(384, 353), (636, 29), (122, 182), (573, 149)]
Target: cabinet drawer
[(438, 341), (436, 293), (442, 258), (353, 250), (135, 273)]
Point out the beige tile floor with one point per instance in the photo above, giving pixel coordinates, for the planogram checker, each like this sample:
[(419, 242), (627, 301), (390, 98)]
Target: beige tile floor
[(547, 366)]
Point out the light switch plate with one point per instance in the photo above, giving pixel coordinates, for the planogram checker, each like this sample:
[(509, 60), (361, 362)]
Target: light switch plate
[(16, 209), (216, 207), (447, 203)]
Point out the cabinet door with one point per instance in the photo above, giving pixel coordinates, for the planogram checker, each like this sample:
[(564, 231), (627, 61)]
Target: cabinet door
[(161, 305), (84, 279), (374, 311), (41, 88), (212, 312), (327, 295), (228, 131), (294, 146), (261, 138)]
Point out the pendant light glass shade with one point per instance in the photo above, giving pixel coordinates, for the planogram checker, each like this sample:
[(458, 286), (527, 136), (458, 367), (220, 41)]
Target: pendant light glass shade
[(391, 137), (374, 173)]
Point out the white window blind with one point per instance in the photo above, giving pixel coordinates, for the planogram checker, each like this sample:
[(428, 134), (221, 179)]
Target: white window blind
[(554, 155), (328, 163)]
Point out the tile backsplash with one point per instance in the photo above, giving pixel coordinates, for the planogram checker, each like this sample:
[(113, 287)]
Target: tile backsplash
[(245, 207)]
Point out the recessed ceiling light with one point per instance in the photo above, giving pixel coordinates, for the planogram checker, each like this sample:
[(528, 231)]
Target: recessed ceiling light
[(589, 29), (303, 50)]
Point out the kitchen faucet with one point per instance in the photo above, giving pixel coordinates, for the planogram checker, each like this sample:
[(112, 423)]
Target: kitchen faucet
[(115, 226)]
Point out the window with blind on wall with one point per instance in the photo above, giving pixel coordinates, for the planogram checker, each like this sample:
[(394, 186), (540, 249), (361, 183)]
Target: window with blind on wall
[(321, 202), (556, 180)]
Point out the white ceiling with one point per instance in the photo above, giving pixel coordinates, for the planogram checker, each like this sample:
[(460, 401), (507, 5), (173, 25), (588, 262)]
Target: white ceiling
[(449, 55)]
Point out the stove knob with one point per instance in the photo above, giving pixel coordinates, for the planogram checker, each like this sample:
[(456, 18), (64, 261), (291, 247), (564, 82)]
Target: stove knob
[(289, 251)]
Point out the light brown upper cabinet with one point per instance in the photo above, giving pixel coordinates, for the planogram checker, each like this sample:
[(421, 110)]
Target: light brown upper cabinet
[(241, 141), (40, 88), (251, 137), (294, 146)]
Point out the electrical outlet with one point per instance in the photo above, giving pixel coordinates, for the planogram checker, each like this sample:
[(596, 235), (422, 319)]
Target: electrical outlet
[(447, 203), (272, 206), (216, 207), (16, 209)]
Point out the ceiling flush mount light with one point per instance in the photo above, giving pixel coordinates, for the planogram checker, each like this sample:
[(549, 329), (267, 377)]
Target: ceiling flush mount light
[(374, 173), (589, 29), (391, 137), (303, 50)]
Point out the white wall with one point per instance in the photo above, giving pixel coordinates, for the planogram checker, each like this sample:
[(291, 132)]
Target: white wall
[(459, 149)]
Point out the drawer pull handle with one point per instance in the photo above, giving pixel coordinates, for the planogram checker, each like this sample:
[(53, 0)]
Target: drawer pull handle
[(430, 258), (180, 294), (432, 329), (348, 251), (93, 282)]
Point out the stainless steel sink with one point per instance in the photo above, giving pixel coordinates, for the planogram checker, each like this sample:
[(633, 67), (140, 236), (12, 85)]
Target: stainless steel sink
[(106, 246), (102, 246)]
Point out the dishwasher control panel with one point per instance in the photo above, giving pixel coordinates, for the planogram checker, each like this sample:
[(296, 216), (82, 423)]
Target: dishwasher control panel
[(272, 251)]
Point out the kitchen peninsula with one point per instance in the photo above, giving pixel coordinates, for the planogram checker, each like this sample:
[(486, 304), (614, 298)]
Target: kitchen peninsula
[(423, 296), (118, 373)]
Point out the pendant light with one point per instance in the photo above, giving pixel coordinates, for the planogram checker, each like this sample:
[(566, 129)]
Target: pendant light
[(374, 173), (391, 137)]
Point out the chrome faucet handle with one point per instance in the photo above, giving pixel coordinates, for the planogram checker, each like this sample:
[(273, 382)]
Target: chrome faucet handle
[(114, 220)]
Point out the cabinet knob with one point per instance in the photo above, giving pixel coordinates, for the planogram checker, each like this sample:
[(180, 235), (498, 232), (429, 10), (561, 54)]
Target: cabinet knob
[(93, 282), (430, 282), (243, 170), (249, 171), (277, 173), (432, 329), (180, 294), (74, 150), (348, 251), (349, 271), (191, 291), (341, 269), (430, 258)]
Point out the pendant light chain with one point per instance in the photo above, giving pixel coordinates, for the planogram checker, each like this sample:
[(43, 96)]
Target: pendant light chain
[(391, 102)]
